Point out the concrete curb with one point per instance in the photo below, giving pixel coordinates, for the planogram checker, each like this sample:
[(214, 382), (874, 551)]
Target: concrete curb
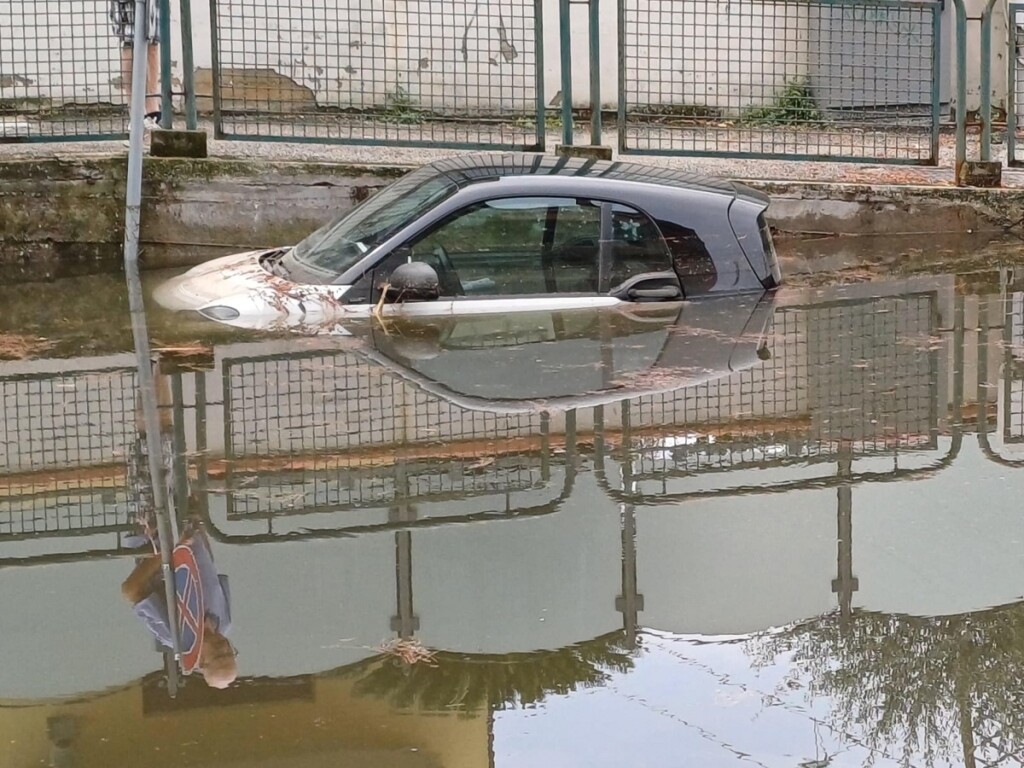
[(61, 216)]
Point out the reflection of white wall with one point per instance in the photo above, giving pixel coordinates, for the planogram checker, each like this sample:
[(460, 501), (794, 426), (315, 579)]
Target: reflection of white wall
[(945, 545), (297, 608), (733, 566), (521, 586)]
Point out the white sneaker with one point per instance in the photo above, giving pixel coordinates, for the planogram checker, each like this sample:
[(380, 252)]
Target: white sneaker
[(150, 122)]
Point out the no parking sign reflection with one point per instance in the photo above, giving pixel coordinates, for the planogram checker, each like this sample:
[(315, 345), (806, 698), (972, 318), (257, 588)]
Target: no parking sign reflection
[(189, 590)]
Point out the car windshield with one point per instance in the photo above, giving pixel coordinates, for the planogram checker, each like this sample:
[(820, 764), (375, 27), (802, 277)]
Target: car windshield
[(334, 248)]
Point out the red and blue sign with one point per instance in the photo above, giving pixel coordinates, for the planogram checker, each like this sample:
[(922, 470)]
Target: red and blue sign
[(191, 611)]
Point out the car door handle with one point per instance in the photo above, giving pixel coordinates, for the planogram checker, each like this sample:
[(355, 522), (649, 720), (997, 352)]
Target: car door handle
[(663, 292)]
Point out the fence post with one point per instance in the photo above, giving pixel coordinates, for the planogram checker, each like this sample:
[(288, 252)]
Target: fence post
[(188, 67), (961, 87), (986, 81), (166, 76), (595, 73), (1011, 91), (565, 43)]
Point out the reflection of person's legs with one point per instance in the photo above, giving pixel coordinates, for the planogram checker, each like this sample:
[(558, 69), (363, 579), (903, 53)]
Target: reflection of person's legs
[(139, 583)]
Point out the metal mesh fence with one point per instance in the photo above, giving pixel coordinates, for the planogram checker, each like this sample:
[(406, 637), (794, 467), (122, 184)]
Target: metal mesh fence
[(1015, 83), (60, 71), (853, 80), (65, 441), (433, 72)]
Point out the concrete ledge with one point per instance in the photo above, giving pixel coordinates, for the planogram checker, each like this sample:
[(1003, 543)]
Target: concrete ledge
[(63, 216)]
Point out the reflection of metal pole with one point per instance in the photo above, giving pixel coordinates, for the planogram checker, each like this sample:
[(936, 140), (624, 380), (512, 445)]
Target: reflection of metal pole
[(845, 583), (982, 392), (140, 334), (630, 602), (405, 623)]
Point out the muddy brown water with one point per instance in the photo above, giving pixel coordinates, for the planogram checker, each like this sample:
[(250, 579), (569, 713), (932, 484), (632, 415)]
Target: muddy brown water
[(813, 557)]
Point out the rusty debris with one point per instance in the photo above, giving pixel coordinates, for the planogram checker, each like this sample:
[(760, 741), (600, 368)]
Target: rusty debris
[(407, 651), (17, 347)]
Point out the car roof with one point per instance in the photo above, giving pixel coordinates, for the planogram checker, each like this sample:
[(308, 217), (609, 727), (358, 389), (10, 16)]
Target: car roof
[(466, 170)]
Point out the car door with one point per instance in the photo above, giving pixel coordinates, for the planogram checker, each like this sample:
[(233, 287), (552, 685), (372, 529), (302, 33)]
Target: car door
[(509, 254)]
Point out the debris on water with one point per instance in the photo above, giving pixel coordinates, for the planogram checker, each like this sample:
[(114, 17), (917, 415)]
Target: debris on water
[(408, 651), (16, 347)]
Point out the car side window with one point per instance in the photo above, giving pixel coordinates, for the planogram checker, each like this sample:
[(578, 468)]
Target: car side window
[(514, 246), (691, 259), (637, 246)]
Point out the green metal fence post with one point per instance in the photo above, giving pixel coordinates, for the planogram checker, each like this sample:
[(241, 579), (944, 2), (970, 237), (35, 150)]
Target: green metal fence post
[(565, 44), (621, 90), (218, 125), (937, 73), (1011, 91), (166, 76), (986, 81), (595, 73), (540, 103), (188, 79), (961, 87)]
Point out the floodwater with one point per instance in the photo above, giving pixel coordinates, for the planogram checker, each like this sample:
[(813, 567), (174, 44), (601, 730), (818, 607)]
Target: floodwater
[(791, 538)]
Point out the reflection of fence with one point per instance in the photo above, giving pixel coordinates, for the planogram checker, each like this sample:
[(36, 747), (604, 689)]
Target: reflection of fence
[(851, 379), (64, 445), (1013, 370)]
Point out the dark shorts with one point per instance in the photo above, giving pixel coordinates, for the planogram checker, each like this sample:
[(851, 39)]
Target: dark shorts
[(122, 19)]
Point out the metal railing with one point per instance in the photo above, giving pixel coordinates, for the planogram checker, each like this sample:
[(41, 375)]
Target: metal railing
[(838, 80), (439, 73), (852, 80)]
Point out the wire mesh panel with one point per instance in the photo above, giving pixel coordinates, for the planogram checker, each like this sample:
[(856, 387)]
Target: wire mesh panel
[(61, 71), (1015, 82), (854, 80), (452, 73)]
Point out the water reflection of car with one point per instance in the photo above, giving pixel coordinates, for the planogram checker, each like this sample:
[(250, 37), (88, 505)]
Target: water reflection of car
[(523, 361), (499, 234)]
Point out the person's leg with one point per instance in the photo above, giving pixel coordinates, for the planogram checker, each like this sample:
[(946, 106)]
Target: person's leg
[(153, 79), (126, 73)]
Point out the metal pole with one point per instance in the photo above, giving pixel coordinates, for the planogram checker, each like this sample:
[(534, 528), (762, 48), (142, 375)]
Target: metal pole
[(140, 334), (565, 31), (595, 73), (961, 86), (188, 79), (166, 104), (986, 81)]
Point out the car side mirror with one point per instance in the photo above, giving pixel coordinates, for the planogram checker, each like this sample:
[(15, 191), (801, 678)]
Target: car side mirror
[(412, 281)]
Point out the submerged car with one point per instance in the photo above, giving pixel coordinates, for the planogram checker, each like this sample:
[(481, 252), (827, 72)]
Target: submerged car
[(496, 234)]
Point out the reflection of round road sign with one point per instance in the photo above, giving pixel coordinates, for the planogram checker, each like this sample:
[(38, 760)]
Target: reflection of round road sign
[(191, 612)]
